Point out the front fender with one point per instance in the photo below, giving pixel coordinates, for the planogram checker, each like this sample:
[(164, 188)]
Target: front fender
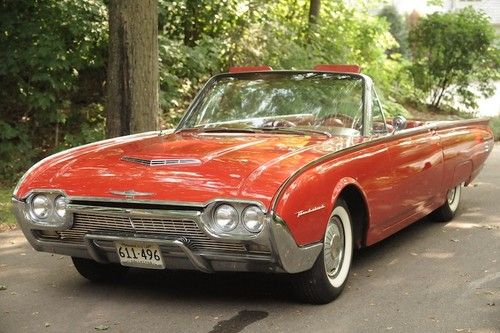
[(306, 202)]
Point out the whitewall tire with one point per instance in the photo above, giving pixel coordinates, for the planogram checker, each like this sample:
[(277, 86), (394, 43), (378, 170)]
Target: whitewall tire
[(326, 279), (449, 209)]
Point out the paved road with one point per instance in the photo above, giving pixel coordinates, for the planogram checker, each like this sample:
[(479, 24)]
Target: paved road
[(428, 278)]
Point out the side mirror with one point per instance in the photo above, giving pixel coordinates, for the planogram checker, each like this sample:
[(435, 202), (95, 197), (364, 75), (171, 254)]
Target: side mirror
[(399, 123)]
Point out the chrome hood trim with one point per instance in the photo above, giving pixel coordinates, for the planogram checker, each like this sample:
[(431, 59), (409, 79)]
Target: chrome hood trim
[(160, 162)]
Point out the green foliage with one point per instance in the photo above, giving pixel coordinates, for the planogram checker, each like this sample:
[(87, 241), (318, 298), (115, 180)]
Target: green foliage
[(52, 60), (393, 109), (452, 52), (200, 39), (6, 216), (398, 29), (16, 150), (495, 126), (53, 57)]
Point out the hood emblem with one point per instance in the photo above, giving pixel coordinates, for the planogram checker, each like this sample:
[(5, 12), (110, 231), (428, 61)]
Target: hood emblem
[(131, 194), (161, 161)]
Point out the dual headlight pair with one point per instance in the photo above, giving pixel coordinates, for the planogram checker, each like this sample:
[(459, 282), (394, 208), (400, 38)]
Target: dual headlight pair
[(226, 218), (50, 209), (47, 206)]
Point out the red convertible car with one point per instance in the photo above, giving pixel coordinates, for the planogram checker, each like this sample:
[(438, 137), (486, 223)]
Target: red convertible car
[(270, 171)]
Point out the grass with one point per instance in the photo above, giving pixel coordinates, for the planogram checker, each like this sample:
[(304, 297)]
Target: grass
[(7, 220)]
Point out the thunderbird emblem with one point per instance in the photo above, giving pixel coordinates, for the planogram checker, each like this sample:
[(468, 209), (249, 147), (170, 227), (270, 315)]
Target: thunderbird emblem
[(131, 194)]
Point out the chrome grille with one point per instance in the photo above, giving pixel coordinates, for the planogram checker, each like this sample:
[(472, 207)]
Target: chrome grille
[(84, 223)]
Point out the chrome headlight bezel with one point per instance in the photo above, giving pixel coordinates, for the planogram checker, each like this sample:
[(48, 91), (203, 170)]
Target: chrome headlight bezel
[(253, 219), (41, 206), (239, 231), (60, 206), (52, 220), (231, 214)]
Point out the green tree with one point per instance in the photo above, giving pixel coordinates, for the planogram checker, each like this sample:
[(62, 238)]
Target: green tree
[(397, 27), (452, 53), (314, 8), (54, 59), (52, 71)]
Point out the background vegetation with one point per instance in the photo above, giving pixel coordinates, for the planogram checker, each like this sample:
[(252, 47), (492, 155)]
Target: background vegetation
[(53, 57)]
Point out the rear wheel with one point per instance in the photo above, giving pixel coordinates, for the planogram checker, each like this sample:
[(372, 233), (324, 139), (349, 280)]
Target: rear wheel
[(94, 271), (448, 210), (326, 279)]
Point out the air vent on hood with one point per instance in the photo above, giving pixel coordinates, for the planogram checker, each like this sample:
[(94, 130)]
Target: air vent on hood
[(158, 162)]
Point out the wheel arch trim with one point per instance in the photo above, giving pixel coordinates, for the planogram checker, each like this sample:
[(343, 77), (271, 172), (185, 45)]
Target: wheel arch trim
[(347, 188)]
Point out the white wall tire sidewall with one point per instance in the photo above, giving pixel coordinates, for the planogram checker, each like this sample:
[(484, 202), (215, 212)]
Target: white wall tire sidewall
[(341, 213), (456, 200)]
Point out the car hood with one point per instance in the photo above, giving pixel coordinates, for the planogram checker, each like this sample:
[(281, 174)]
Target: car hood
[(181, 167)]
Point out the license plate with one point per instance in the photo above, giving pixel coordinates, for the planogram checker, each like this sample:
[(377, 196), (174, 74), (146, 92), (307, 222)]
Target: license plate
[(143, 255)]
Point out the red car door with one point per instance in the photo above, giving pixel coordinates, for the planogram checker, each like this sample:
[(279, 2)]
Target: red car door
[(417, 172)]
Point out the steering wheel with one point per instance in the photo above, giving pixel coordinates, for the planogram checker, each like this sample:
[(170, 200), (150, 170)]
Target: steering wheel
[(278, 123), (337, 120)]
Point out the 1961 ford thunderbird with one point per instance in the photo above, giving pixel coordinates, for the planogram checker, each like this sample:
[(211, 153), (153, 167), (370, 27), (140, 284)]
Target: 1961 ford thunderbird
[(270, 171)]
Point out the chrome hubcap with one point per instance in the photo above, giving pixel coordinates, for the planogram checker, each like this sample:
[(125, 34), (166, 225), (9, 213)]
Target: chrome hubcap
[(334, 247), (451, 195)]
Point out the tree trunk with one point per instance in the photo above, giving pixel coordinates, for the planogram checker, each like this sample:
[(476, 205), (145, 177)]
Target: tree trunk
[(192, 28), (314, 6), (132, 79)]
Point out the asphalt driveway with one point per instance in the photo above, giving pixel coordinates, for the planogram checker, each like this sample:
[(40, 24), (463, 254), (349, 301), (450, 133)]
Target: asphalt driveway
[(427, 278)]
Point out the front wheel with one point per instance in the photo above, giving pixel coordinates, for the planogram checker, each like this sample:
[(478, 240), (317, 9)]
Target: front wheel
[(448, 210), (98, 272), (326, 279)]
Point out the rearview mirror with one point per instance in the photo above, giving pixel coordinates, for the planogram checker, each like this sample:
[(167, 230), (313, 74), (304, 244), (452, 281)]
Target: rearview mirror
[(399, 123)]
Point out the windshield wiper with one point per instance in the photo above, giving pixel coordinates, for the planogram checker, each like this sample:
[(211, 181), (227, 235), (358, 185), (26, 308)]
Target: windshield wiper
[(285, 130), (228, 129), (293, 130), (217, 129)]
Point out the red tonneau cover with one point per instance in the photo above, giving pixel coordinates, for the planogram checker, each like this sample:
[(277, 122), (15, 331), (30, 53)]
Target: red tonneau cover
[(342, 68), (249, 69)]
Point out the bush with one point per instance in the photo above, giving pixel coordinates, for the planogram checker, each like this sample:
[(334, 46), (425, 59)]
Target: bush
[(393, 109)]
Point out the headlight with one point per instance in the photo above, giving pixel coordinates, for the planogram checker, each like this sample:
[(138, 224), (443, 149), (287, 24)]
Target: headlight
[(60, 206), (226, 217), (41, 206), (253, 219)]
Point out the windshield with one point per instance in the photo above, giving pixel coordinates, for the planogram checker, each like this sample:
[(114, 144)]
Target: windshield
[(326, 103)]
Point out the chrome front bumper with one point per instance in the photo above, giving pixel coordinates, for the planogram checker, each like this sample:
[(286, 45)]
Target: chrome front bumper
[(282, 253)]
